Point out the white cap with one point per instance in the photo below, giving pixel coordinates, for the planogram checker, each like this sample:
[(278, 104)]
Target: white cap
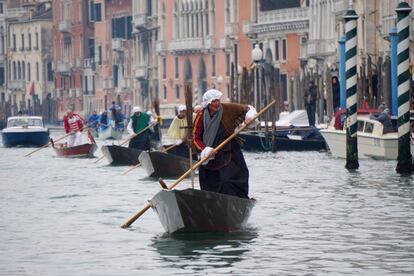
[(136, 109), (211, 95), (182, 108), (149, 112)]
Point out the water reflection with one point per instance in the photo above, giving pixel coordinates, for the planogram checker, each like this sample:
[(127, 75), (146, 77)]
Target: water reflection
[(218, 250)]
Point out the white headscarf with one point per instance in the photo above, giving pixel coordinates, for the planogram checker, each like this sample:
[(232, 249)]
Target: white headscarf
[(211, 95), (182, 108), (136, 109)]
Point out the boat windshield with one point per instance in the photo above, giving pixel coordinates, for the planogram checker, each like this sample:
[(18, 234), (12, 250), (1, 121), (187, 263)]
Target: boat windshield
[(24, 122)]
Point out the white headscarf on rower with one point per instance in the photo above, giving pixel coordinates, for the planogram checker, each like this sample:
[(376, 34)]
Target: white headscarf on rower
[(136, 109), (181, 108), (211, 95)]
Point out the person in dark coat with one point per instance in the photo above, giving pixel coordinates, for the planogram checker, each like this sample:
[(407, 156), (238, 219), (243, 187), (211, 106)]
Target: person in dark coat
[(225, 172), (336, 94), (385, 118), (310, 97)]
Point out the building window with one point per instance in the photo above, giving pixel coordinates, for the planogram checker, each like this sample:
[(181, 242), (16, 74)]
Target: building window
[(277, 51), (100, 55), (177, 92), (23, 70), (91, 47), (165, 92), (164, 68), (50, 72), (37, 41), (284, 49), (14, 71), (22, 43), (213, 65), (2, 78), (122, 27), (30, 42), (177, 75), (14, 42), (1, 8), (29, 72), (115, 75), (37, 71), (19, 71), (227, 64), (95, 11)]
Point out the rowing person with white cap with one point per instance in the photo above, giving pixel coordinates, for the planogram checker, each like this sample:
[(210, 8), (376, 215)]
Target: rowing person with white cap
[(225, 172), (139, 121), (178, 131)]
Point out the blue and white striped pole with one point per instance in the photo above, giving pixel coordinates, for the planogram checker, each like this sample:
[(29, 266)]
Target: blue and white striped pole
[(351, 89), (342, 72), (405, 163)]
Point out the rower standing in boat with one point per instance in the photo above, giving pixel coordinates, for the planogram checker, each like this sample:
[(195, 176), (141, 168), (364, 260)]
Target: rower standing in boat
[(73, 124), (103, 121), (178, 131), (139, 121), (226, 172)]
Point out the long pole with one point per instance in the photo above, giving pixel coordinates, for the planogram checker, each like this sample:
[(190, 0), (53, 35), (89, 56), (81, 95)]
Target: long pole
[(198, 164), (404, 164), (351, 89)]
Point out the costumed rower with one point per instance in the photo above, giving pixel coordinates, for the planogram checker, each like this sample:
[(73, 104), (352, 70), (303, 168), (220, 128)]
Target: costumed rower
[(178, 131), (103, 121), (140, 120), (226, 172), (73, 124), (93, 121)]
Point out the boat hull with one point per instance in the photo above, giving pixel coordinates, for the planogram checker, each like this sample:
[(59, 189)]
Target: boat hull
[(118, 155), (110, 133), (376, 147), (161, 164), (84, 150), (25, 138), (285, 141), (194, 211)]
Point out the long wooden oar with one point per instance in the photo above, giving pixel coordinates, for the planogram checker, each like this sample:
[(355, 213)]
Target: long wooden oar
[(48, 144), (198, 164), (127, 140), (139, 164)]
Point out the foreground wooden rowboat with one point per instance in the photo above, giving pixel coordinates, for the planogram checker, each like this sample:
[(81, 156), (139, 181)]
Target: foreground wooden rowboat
[(119, 155), (163, 164), (84, 150), (192, 211)]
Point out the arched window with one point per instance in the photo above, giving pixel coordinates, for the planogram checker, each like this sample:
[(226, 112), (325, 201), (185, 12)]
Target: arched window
[(23, 70), (19, 71), (14, 71), (29, 73), (177, 92)]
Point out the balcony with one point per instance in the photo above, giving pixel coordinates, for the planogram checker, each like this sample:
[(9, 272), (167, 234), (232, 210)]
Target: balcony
[(231, 29), (209, 42), (141, 72), (16, 12), (283, 15), (388, 22), (161, 46), (89, 63), (318, 48), (63, 67), (65, 26), (17, 85), (225, 43), (186, 44), (140, 21), (117, 44)]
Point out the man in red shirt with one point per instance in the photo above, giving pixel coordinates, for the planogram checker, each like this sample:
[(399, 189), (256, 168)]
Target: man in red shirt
[(73, 124)]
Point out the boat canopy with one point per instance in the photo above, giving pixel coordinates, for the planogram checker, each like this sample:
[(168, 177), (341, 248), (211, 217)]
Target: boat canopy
[(296, 118), (24, 121)]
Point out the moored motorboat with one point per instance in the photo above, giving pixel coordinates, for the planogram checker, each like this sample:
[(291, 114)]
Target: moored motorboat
[(119, 155), (163, 164), (25, 131), (192, 211), (372, 141)]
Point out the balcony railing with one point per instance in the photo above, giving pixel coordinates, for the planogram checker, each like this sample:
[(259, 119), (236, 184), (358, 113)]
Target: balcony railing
[(89, 63), (321, 47), (186, 44), (231, 29), (63, 67), (161, 46), (283, 15), (16, 12), (117, 44), (17, 85), (140, 20), (65, 26), (141, 72)]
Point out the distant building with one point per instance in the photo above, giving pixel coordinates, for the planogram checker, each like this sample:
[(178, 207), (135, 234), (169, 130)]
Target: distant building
[(29, 58), (73, 43)]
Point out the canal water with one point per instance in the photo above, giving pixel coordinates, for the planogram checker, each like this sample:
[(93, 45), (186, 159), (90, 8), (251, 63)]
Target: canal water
[(313, 217)]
